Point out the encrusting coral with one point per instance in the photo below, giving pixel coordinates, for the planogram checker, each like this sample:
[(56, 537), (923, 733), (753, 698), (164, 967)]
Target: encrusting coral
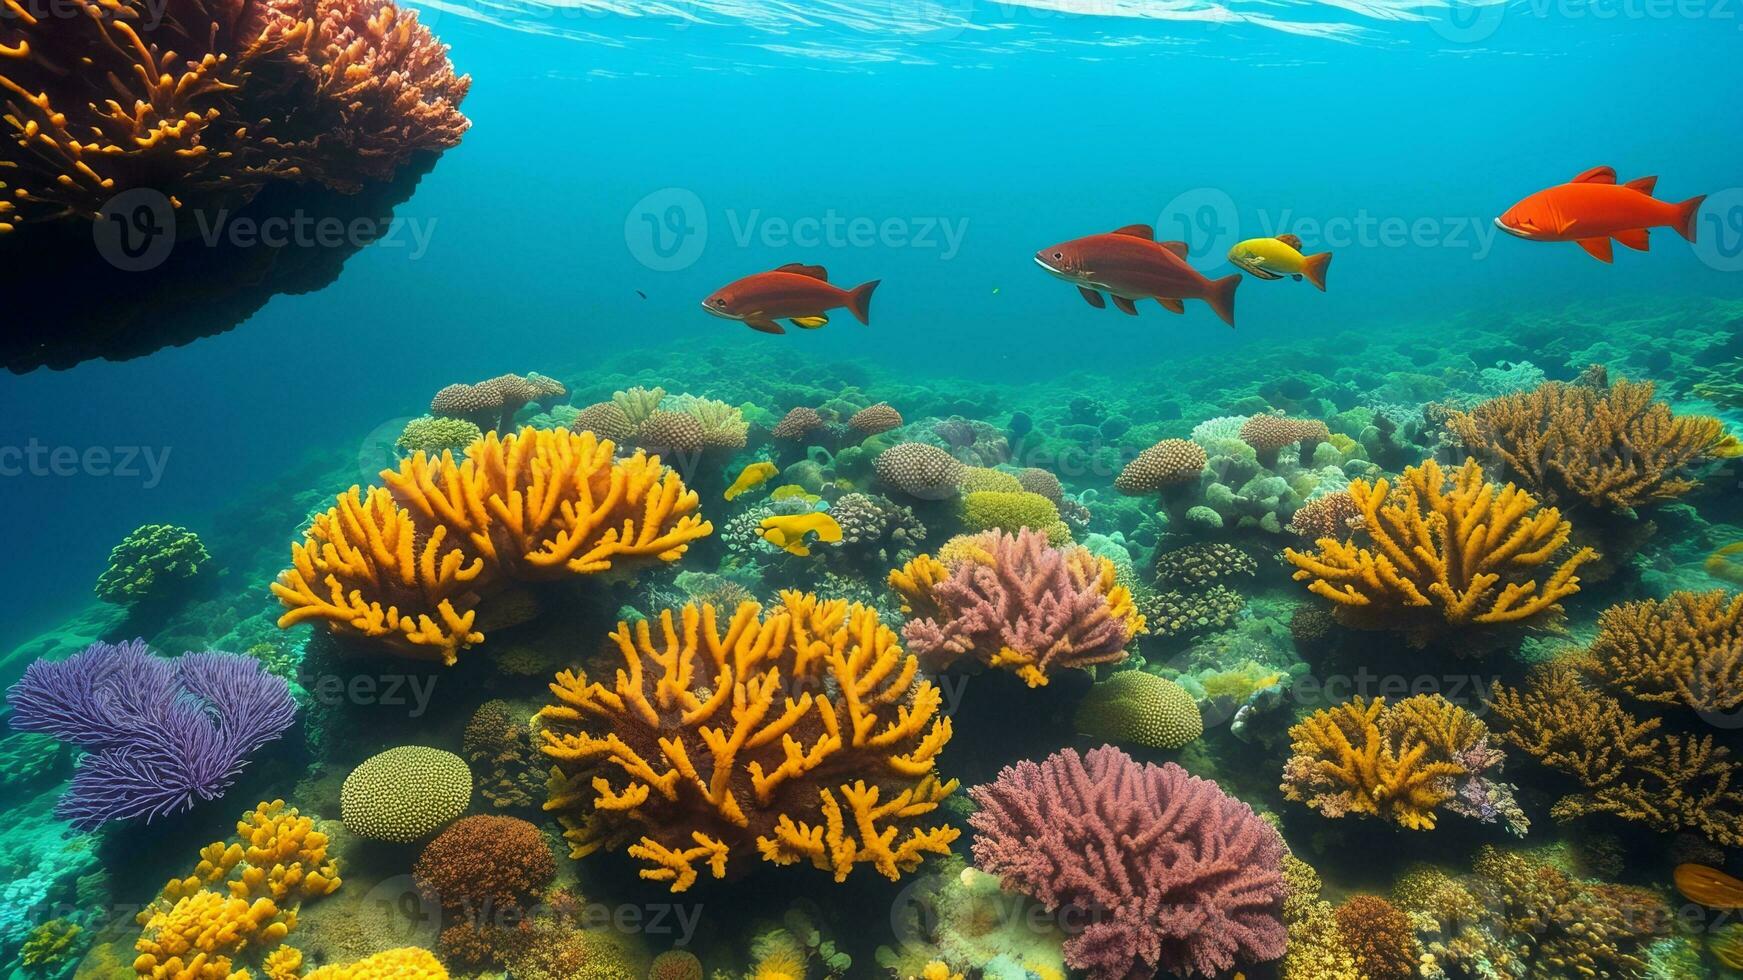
[(207, 103), (1456, 551), (802, 735), (1611, 449), (1015, 602), (1401, 763), (1166, 870), (410, 563)]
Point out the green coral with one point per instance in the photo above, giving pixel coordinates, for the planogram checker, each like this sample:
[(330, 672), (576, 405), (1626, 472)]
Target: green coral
[(51, 946), (979, 479), (985, 510), (432, 436), (155, 562), (723, 425), (1136, 708), (1239, 684)]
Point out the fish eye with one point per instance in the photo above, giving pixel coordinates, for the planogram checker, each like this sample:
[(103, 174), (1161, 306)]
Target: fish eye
[(720, 302), (1059, 255)]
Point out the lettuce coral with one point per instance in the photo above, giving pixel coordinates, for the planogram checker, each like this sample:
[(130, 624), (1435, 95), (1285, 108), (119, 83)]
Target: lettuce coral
[(1015, 602), (802, 735), (411, 563), (1454, 551)]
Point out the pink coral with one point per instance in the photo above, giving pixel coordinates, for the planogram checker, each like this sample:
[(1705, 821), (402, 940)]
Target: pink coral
[(1021, 603), (1168, 871)]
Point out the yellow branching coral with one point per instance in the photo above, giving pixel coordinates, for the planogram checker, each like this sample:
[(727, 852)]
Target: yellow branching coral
[(1687, 649), (1609, 448), (1343, 763), (241, 895), (805, 734), (410, 563), (1629, 768), (1462, 550)]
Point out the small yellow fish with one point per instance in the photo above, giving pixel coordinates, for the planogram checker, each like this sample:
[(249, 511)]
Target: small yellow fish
[(1729, 447), (753, 476), (787, 531), (1274, 258), (793, 491)]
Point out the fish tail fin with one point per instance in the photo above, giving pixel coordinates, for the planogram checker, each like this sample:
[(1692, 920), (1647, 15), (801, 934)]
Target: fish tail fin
[(1314, 268), (859, 301), (1686, 213), (1222, 297)]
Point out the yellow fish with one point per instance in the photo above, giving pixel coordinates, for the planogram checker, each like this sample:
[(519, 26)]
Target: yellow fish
[(1729, 447), (793, 490), (753, 476), (787, 531), (1274, 258)]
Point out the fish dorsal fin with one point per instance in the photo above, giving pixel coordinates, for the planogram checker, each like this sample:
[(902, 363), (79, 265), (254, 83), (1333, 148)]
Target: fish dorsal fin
[(801, 269), (1644, 185), (1178, 248), (1145, 232), (1291, 241), (1596, 175)]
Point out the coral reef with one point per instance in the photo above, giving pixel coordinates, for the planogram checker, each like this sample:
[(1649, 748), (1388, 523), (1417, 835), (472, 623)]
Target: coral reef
[(1135, 708), (1173, 873), (1610, 449), (1379, 936), (405, 963), (1686, 649), (802, 735), (410, 563), (405, 794), (1454, 550), (159, 735), (154, 563), (506, 765), (1559, 926), (1015, 602)]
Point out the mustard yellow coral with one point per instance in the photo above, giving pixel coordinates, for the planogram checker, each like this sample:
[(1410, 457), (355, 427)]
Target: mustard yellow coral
[(405, 963), (1460, 549), (196, 937), (803, 735), (1686, 649), (411, 563), (1344, 763)]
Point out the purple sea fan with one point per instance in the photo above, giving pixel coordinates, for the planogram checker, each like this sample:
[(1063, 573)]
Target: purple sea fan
[(159, 734), (1155, 868)]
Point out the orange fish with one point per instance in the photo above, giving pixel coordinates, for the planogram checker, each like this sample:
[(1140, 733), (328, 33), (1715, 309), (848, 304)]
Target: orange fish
[(1592, 209), (796, 292), (1130, 264)]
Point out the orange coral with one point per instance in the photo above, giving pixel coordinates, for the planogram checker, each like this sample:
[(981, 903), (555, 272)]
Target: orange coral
[(1380, 937), (1609, 448), (1344, 763), (209, 102), (1458, 548), (1687, 649), (805, 734), (410, 563)]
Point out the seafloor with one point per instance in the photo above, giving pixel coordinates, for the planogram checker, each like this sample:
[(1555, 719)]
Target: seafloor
[(1527, 819)]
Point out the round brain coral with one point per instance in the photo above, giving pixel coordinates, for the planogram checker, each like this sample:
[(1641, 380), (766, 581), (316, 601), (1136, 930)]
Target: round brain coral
[(405, 794), (1136, 708), (485, 865), (804, 735), (920, 470), (875, 419), (154, 563), (670, 434), (1168, 871), (676, 964), (1380, 936), (797, 424), (605, 420), (1043, 482), (1169, 463)]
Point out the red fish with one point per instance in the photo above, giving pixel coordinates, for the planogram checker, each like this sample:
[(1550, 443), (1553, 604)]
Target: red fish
[(1130, 265), (1592, 209), (796, 292)]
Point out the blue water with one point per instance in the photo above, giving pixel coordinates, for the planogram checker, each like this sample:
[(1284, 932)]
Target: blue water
[(1014, 127)]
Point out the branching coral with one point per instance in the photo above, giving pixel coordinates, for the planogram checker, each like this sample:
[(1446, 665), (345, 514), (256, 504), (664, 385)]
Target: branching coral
[(208, 102), (1627, 766), (1609, 448), (1562, 927), (1015, 602), (1401, 763), (1687, 650), (1169, 870), (802, 735), (411, 563), (1460, 549)]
